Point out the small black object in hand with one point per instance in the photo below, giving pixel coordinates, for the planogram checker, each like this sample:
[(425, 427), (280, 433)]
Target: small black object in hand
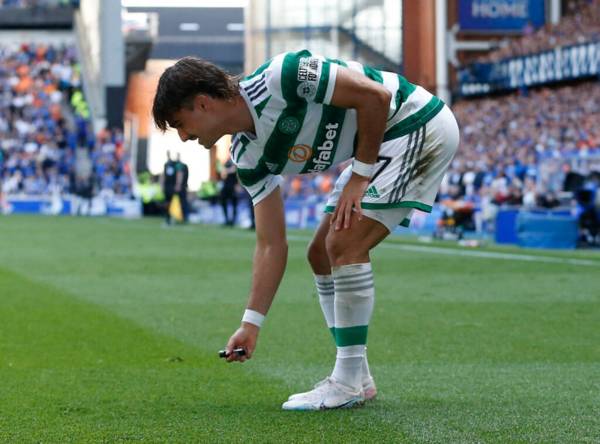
[(238, 351)]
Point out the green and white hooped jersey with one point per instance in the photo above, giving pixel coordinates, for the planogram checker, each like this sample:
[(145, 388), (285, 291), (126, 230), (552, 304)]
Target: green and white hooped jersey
[(297, 129)]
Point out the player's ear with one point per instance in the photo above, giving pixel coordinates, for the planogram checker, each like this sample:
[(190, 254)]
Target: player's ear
[(197, 102), (203, 102)]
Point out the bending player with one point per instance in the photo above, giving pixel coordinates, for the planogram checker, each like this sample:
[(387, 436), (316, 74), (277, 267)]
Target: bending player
[(302, 113)]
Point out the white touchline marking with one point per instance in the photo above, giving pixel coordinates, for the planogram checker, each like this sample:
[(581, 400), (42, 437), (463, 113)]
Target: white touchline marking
[(471, 253), (493, 255)]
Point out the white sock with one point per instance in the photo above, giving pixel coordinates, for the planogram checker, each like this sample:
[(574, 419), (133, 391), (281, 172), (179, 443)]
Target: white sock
[(353, 306), (325, 289), (348, 366), (324, 283)]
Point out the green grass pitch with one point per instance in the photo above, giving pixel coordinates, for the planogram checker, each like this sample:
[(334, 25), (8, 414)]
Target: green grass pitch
[(109, 332)]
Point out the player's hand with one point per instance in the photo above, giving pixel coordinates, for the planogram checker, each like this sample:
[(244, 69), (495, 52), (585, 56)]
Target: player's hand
[(350, 198), (244, 337)]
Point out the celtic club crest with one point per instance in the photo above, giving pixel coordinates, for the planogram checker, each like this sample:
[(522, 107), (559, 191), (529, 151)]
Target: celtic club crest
[(289, 125)]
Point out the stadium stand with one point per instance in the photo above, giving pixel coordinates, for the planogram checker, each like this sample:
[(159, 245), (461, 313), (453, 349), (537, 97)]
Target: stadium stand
[(44, 120), (533, 147), (505, 138)]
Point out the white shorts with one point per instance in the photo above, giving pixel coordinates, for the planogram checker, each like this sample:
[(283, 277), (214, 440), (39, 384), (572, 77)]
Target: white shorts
[(408, 173)]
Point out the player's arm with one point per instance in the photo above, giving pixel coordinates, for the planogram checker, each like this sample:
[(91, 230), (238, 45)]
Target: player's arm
[(270, 257), (371, 100)]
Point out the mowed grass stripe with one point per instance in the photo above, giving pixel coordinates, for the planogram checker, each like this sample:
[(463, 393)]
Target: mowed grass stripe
[(74, 372), (43, 327)]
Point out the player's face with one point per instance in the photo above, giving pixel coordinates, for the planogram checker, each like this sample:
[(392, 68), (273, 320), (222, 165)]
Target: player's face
[(199, 122)]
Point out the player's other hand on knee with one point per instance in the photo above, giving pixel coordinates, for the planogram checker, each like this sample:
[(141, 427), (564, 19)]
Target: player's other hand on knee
[(350, 199), (244, 337)]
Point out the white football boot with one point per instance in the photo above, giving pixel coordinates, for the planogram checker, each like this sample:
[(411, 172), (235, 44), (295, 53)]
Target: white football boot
[(327, 394), (369, 389)]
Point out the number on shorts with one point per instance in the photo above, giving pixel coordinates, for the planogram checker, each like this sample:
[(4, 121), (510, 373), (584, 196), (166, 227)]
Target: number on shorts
[(386, 162)]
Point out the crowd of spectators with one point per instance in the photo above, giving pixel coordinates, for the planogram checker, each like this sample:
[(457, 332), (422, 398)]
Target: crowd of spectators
[(537, 147), (504, 140), (580, 24), (45, 145), (520, 149)]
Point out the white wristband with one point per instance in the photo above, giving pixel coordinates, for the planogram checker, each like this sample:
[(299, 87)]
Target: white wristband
[(253, 317), (363, 169)]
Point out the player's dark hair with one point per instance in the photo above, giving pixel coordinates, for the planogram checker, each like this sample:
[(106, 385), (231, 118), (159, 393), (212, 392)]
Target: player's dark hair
[(180, 83)]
